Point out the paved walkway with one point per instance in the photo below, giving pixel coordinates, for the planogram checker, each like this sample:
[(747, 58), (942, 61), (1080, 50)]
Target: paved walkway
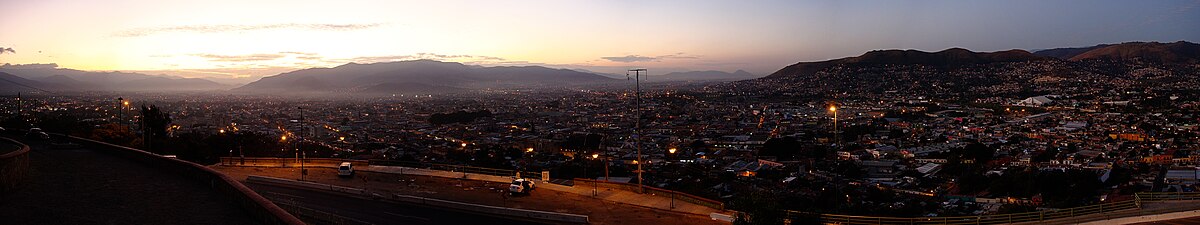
[(81, 186)]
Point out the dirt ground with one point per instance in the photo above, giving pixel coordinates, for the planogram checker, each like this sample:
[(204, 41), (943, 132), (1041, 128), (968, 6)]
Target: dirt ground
[(482, 192)]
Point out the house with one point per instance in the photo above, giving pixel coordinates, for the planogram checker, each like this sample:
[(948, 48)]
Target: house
[(1035, 101), (879, 169)]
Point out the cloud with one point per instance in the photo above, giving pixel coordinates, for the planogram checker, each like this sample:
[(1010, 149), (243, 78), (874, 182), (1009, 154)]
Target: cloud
[(10, 50), (30, 66), (639, 58), (431, 56), (630, 58), (138, 32), (240, 58)]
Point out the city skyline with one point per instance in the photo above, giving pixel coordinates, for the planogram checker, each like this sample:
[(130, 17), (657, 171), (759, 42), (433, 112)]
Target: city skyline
[(248, 40)]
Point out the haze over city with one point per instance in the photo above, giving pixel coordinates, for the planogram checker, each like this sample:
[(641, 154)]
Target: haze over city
[(251, 39), (599, 112)]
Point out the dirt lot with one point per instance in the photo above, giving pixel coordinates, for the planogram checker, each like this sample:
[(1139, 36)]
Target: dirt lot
[(481, 192)]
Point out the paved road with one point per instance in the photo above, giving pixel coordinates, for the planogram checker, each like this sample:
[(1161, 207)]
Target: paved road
[(81, 186), (369, 211)]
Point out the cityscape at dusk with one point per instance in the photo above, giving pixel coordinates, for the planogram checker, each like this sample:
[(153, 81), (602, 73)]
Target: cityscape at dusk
[(599, 112)]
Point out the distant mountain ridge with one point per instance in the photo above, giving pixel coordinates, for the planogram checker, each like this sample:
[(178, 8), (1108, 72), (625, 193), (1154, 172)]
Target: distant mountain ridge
[(948, 57), (418, 74), (709, 75), (1174, 53), (50, 77), (1067, 53)]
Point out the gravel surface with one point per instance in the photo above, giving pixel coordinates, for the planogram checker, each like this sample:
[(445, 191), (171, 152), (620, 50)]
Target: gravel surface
[(482, 192)]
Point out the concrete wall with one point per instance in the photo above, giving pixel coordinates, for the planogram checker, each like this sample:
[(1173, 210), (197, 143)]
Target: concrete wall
[(256, 205), (14, 166), (289, 162)]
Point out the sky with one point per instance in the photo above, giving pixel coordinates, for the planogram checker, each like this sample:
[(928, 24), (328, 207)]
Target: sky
[(248, 39)]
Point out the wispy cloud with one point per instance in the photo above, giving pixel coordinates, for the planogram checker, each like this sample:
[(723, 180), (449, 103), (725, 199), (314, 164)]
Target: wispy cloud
[(433, 56), (9, 50), (240, 58), (138, 32), (640, 58), (630, 58)]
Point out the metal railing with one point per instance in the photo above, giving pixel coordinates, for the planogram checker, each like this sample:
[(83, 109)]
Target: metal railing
[(1103, 210), (980, 219), (459, 168)]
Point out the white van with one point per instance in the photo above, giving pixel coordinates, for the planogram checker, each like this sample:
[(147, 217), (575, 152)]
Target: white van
[(345, 170), (520, 186)]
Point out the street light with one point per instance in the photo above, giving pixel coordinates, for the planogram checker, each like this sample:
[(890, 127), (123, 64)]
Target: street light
[(836, 139), (672, 150), (605, 161)]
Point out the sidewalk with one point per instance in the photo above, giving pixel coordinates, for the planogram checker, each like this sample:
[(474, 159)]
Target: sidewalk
[(621, 196)]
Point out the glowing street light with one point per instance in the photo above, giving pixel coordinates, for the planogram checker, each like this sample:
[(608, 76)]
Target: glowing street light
[(671, 150), (595, 155), (837, 140), (528, 149), (464, 144), (283, 137), (222, 131)]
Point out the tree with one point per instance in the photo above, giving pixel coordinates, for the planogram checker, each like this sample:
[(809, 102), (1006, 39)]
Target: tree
[(757, 208), (783, 148), (155, 121)]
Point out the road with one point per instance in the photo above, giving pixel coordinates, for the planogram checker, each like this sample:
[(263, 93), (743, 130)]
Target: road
[(371, 211)]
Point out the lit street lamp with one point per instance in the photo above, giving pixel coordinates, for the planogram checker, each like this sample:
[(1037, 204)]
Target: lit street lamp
[(836, 139)]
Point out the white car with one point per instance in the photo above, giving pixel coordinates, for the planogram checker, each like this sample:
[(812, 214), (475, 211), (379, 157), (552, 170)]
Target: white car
[(345, 170), (520, 186)]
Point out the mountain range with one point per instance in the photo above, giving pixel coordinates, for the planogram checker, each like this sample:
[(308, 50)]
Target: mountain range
[(1154, 52), (434, 77), (417, 77), (51, 78), (709, 75), (1013, 73)]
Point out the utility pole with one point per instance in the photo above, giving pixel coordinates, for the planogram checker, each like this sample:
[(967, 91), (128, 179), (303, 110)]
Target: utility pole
[(303, 172), (637, 127)]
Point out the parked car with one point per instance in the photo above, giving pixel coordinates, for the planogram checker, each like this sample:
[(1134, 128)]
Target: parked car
[(37, 134), (520, 186), (346, 170)]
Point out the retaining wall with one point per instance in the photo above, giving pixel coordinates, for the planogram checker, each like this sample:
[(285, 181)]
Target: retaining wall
[(257, 206), (14, 166)]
